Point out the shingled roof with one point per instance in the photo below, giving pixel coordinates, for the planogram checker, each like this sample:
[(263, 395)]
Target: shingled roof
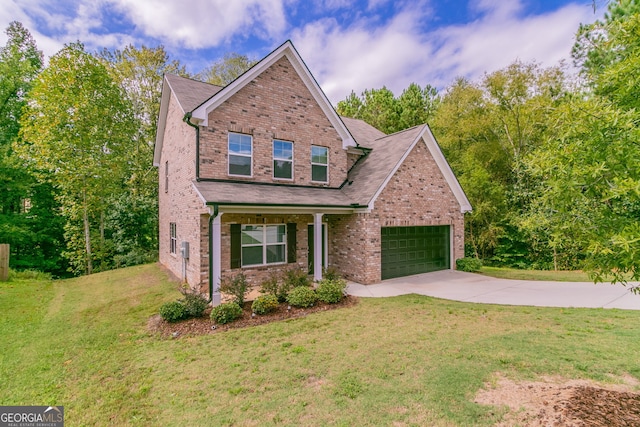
[(365, 181)]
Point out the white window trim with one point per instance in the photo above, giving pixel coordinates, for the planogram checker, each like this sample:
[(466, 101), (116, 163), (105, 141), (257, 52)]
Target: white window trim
[(285, 160), (263, 245), (173, 238), (239, 155), (320, 164)]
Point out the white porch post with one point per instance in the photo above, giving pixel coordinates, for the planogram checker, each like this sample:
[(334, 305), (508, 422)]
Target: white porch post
[(216, 264), (317, 247)]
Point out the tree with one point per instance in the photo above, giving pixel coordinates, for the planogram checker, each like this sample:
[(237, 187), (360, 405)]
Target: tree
[(382, 110), (29, 216), (76, 127), (227, 69)]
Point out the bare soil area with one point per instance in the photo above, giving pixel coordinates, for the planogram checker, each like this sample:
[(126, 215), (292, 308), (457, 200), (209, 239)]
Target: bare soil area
[(573, 403)]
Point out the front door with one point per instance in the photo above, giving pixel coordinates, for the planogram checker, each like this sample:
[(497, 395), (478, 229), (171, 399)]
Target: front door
[(324, 246)]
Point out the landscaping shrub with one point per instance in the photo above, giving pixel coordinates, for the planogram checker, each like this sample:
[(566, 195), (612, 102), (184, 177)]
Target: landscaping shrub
[(195, 304), (274, 286), (173, 311), (236, 286), (302, 296), (226, 313), (331, 291), (331, 273), (264, 304), (296, 277), (469, 264)]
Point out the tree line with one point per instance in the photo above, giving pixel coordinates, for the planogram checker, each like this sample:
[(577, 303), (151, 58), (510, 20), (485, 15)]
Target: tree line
[(549, 159)]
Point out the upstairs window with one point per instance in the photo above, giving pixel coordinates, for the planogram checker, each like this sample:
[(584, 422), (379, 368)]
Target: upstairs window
[(173, 238), (319, 164), (282, 159), (240, 154)]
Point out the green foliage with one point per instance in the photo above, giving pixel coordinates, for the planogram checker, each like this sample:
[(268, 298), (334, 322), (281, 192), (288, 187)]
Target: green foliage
[(469, 264), (227, 69), (264, 304), (382, 110), (276, 287), (331, 291), (194, 303), (29, 275), (226, 313), (302, 297), (331, 273), (295, 277), (236, 286), (173, 311)]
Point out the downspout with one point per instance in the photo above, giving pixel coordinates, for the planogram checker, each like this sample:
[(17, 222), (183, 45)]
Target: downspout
[(187, 120), (211, 218)]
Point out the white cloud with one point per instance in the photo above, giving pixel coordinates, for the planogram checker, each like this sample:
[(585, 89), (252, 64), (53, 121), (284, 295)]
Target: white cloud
[(406, 50), (205, 23)]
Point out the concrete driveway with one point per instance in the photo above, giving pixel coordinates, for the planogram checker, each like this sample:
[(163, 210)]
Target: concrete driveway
[(469, 287)]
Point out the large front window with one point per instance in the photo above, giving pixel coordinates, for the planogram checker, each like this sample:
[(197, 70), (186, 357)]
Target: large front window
[(264, 244), (282, 159), (240, 154), (319, 163)]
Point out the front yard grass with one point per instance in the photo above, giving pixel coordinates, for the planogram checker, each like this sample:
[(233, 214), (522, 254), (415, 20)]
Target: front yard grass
[(409, 360), (546, 275)]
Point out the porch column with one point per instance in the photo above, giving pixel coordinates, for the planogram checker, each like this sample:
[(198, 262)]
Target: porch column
[(216, 259), (317, 247)]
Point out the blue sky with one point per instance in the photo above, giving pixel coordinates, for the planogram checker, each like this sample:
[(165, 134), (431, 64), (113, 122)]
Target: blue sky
[(348, 45)]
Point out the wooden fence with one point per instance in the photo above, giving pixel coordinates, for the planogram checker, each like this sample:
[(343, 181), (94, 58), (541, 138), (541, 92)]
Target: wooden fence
[(4, 262)]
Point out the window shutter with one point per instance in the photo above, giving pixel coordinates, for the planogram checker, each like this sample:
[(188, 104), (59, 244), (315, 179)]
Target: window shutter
[(236, 246), (291, 242)]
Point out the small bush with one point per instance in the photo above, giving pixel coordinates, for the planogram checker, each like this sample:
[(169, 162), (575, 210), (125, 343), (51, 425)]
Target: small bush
[(173, 311), (226, 313), (331, 273), (236, 286), (264, 304), (469, 264), (195, 304), (274, 286), (296, 277), (302, 296), (331, 291)]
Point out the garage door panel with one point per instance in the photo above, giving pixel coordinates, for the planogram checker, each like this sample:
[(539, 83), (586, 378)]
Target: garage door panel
[(414, 250)]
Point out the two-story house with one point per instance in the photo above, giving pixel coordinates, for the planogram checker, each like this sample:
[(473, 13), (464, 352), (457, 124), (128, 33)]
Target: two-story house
[(264, 175)]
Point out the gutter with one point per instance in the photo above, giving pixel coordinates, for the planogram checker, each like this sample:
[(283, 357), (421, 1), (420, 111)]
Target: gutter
[(187, 120)]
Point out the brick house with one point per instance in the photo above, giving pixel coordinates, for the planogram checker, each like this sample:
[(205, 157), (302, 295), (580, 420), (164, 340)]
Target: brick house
[(263, 175)]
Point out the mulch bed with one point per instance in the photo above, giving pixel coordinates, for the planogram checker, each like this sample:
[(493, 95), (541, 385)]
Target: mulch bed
[(592, 406), (204, 325)]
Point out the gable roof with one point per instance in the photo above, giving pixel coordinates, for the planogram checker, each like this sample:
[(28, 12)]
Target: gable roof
[(368, 177), (200, 114), (189, 94)]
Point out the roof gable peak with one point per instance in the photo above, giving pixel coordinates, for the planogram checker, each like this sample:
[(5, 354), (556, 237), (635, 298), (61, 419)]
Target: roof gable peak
[(200, 114)]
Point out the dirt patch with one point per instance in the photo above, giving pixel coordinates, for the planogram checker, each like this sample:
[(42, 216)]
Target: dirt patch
[(204, 325), (573, 403)]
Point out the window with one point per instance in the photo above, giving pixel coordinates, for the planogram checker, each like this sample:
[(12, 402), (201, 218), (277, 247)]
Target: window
[(240, 151), (173, 238), (166, 176), (319, 163), (282, 159), (264, 244)]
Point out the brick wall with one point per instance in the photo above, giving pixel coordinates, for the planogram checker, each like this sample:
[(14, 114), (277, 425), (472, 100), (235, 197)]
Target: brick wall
[(180, 204), (416, 195), (275, 105)]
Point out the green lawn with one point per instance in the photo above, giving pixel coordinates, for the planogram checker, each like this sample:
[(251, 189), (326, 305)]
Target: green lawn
[(549, 275), (409, 360)]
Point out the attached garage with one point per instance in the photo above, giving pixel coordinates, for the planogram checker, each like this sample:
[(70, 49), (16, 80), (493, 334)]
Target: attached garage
[(415, 250)]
